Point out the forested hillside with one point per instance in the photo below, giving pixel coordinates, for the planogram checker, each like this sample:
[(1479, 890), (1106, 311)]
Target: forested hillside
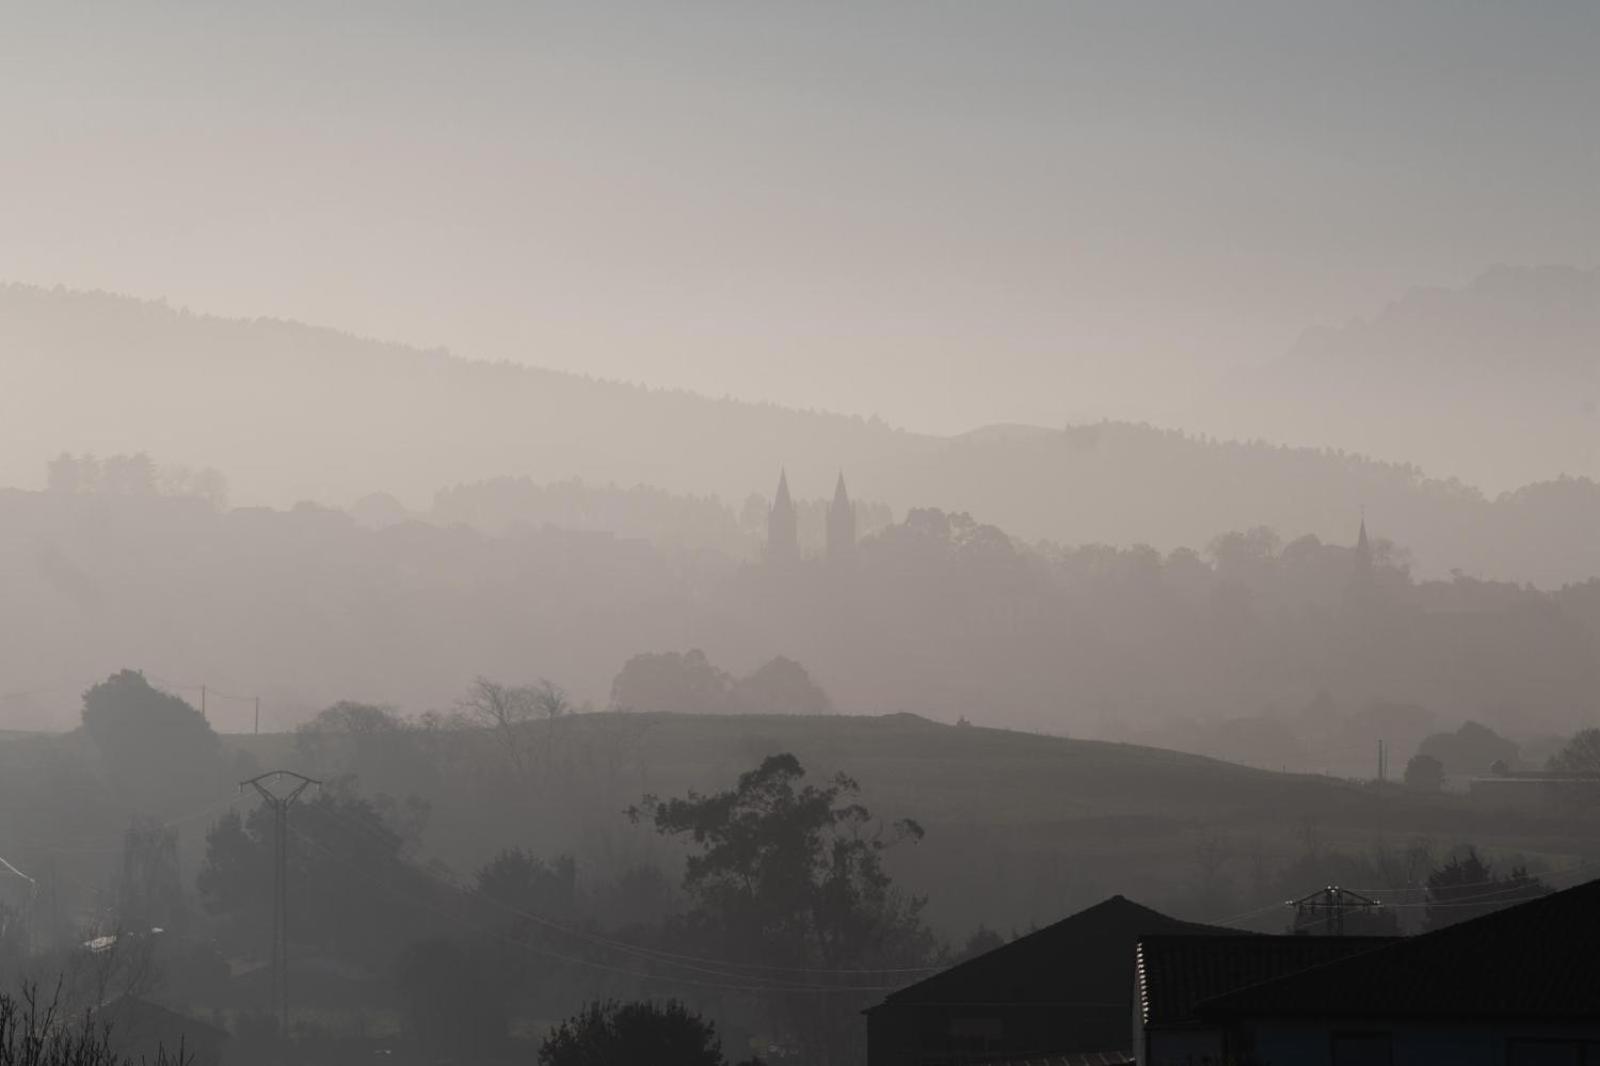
[(1314, 651), (332, 418)]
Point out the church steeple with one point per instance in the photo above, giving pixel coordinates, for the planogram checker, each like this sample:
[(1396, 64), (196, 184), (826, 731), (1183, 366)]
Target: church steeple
[(783, 526), (1359, 592), (1363, 548), (841, 524)]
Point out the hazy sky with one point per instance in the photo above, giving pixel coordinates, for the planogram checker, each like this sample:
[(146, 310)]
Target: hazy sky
[(944, 213)]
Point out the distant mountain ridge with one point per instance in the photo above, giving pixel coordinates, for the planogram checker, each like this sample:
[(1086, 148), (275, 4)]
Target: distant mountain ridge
[(294, 412), (1497, 382), (1540, 319)]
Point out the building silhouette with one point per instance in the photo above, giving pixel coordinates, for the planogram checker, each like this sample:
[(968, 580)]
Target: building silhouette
[(1060, 995), (783, 527), (841, 526), (1360, 589)]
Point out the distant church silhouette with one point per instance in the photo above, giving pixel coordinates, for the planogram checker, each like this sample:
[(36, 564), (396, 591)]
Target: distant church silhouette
[(783, 526), (1361, 588), (841, 525)]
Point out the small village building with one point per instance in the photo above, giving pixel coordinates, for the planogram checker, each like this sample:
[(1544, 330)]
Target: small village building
[(1519, 987), (1173, 975), (144, 1032), (1061, 995)]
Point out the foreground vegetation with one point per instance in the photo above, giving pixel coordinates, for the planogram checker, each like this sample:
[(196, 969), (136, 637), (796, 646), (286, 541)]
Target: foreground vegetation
[(464, 881)]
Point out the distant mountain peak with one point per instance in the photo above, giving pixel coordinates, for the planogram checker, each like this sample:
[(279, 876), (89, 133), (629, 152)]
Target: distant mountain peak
[(1508, 319)]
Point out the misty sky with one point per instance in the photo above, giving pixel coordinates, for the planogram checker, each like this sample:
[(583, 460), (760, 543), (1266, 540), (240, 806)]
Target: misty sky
[(947, 214)]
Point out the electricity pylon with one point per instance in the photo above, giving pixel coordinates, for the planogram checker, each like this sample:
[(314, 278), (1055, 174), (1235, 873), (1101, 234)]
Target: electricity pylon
[(280, 801), (1325, 910)]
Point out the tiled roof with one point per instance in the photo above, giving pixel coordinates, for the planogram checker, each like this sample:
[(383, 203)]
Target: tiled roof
[(1083, 959), (1539, 959), (1176, 972)]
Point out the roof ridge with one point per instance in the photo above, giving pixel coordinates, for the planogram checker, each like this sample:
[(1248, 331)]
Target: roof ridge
[(1415, 950), (1115, 913)]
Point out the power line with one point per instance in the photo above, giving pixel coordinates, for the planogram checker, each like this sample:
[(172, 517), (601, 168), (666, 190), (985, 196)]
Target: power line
[(591, 963), (1509, 892), (650, 953), (111, 848), (4, 865), (200, 686), (1333, 903), (1506, 885), (280, 803)]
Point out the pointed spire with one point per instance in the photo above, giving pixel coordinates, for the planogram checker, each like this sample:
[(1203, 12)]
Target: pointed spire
[(841, 524), (783, 526), (1361, 576)]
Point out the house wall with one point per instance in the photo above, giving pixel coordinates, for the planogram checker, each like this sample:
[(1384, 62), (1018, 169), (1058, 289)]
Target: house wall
[(1181, 1047), (1275, 1043), (937, 1034)]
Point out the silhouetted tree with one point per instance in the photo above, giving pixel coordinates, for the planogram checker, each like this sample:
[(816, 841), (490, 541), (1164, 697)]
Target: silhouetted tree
[(780, 686), (1467, 887), (1580, 755), (1424, 773), (982, 941), (684, 683), (38, 1032), (790, 874), (614, 1034), (350, 860), (518, 880), (1578, 758), (129, 475), (507, 710), (550, 699), (150, 892), (1471, 749), (154, 745), (375, 744)]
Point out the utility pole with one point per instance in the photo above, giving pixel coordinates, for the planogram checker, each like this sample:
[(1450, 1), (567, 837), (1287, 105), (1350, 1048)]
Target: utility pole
[(280, 800), (258, 716), (203, 703), (53, 933)]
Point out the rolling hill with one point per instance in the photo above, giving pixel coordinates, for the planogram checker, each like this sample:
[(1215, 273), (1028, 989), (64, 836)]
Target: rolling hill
[(292, 412), (1021, 828)]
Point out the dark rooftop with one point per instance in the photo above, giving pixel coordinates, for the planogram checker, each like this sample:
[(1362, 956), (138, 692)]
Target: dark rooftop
[(1082, 959), (1177, 972), (1539, 959)]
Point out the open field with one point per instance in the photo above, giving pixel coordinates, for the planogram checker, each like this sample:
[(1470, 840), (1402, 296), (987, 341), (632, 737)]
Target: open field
[(1021, 828)]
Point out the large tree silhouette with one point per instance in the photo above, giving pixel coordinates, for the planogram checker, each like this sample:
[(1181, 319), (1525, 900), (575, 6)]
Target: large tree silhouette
[(786, 878)]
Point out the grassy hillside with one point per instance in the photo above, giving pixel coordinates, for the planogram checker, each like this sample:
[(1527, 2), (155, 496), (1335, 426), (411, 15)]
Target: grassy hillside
[(1021, 828)]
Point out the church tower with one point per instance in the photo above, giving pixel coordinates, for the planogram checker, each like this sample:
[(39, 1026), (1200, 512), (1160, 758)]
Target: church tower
[(841, 525), (1363, 569), (1360, 591), (783, 527)]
